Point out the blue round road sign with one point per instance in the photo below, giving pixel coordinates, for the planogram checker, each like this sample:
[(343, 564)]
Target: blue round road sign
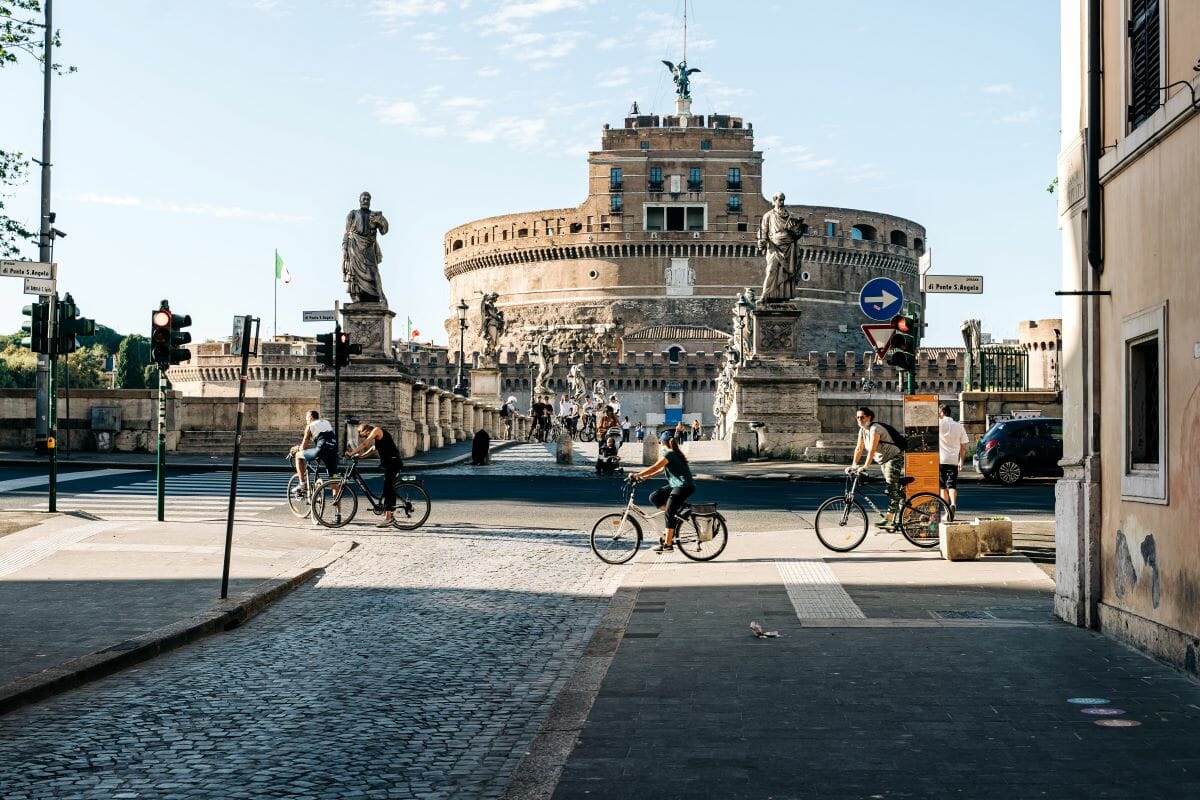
[(881, 299)]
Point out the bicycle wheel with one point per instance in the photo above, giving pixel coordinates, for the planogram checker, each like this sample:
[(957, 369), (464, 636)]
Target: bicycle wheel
[(615, 541), (920, 518), (690, 541), (841, 525), (336, 503), (297, 497), (412, 506)]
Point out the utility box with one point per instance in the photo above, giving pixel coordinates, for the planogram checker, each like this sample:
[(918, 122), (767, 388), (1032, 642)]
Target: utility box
[(106, 424)]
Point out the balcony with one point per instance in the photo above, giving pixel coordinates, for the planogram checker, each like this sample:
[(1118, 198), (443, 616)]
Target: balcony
[(733, 186), (695, 186), (616, 186), (654, 186)]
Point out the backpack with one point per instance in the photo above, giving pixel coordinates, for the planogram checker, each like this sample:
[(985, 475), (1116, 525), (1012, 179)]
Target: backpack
[(898, 438), (505, 410)]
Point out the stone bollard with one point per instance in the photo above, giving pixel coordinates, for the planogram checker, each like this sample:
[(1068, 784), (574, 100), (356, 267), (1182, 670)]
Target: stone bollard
[(650, 446), (995, 536), (959, 541), (564, 449)]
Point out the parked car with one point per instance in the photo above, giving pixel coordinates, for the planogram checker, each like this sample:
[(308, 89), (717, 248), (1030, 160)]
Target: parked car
[(1020, 448)]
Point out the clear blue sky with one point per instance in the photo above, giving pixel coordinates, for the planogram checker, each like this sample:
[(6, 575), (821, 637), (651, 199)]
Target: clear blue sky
[(198, 137)]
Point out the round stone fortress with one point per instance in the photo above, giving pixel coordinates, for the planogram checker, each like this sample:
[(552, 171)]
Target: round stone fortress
[(667, 237)]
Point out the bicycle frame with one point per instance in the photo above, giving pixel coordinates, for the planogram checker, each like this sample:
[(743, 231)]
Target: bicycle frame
[(852, 494), (631, 505), (351, 473)]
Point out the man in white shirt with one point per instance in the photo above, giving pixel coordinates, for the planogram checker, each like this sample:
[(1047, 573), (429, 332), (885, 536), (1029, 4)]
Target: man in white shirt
[(570, 415), (319, 441), (952, 450), (615, 405), (877, 444)]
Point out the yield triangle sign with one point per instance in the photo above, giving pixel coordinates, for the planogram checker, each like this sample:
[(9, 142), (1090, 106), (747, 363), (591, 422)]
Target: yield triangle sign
[(879, 337)]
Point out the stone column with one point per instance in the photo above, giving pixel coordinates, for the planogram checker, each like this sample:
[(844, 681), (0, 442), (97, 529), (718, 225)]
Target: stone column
[(433, 416), (446, 416), (421, 430)]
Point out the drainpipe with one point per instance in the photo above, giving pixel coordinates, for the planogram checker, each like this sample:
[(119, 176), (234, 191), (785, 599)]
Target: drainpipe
[(1095, 112)]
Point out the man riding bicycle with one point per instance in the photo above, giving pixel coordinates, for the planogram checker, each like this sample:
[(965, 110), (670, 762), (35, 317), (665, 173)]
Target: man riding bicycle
[(320, 441), (680, 486), (376, 439)]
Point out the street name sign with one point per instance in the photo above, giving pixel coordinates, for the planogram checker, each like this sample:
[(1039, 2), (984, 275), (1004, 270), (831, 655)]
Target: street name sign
[(320, 316), (27, 269), (879, 337), (952, 284), (236, 343), (39, 286), (881, 298)]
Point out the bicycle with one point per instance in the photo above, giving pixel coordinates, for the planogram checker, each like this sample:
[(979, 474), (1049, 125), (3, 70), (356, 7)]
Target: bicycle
[(335, 502), (587, 428), (615, 538), (841, 521), (298, 493)]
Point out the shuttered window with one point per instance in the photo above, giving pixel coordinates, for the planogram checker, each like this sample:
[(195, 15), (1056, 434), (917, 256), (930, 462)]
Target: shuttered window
[(1144, 55)]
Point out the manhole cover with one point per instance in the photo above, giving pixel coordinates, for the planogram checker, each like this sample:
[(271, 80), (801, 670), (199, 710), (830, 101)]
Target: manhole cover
[(1088, 701), (972, 614), (1103, 711), (1118, 723)]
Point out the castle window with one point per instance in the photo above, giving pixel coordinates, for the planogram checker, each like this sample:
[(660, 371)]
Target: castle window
[(743, 227), (614, 202), (576, 227), (1145, 50), (695, 182), (919, 246), (656, 180), (673, 354), (457, 245), (522, 233), (831, 228), (645, 145), (735, 202), (735, 179), (675, 218), (899, 238), (706, 144), (614, 179), (655, 218), (864, 233)]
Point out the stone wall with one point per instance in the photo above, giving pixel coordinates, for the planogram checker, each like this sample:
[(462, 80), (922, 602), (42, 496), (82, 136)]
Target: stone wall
[(138, 412)]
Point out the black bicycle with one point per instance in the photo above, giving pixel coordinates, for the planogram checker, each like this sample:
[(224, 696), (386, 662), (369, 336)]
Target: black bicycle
[(841, 521), (586, 430), (335, 499)]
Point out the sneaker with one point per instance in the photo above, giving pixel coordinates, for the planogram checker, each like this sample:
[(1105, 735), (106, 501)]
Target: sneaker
[(952, 510), (664, 548), (884, 524), (384, 523)]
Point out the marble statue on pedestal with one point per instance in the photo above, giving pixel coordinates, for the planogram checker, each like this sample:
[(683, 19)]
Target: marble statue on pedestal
[(777, 240), (492, 321), (361, 254)]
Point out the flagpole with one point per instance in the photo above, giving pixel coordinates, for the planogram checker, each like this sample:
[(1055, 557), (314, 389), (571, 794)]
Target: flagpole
[(275, 324)]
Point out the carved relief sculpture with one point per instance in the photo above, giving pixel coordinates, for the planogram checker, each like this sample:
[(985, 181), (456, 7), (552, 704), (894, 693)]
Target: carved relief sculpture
[(361, 254)]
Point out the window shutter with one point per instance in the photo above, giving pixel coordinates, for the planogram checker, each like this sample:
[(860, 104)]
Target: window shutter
[(1144, 54)]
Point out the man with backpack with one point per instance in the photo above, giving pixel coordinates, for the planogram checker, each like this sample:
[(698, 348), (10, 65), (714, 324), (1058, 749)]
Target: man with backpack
[(884, 445)]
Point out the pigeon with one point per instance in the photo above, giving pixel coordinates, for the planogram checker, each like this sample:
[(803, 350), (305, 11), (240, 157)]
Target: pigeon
[(758, 631)]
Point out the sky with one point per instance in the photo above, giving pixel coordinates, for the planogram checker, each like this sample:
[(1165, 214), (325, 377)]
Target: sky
[(197, 138)]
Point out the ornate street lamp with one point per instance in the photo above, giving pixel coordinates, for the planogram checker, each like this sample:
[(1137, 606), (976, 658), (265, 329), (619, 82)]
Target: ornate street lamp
[(742, 310), (462, 388)]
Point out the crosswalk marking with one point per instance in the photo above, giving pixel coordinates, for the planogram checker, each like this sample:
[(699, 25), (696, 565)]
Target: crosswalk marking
[(16, 484)]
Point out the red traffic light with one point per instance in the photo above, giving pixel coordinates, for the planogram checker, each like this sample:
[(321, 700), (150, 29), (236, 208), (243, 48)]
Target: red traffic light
[(161, 319), (900, 323)]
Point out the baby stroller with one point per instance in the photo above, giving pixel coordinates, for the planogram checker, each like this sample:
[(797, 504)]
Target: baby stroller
[(608, 462)]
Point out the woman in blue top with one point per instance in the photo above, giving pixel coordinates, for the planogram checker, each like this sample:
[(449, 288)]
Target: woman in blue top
[(679, 488)]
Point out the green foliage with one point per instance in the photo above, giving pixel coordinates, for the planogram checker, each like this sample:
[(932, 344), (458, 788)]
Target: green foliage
[(150, 376), (1053, 186), (18, 365), (20, 32), (132, 357), (105, 337), (87, 368)]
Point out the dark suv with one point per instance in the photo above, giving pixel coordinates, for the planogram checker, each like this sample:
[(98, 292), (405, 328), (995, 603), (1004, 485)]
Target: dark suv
[(1020, 448)]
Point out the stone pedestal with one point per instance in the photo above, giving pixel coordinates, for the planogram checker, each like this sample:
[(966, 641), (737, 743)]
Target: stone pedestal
[(374, 389), (774, 408), (486, 386), (959, 541), (995, 536)]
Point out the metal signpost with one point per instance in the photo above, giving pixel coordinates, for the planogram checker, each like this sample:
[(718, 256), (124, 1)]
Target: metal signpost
[(40, 280), (249, 347), (881, 299), (952, 284)]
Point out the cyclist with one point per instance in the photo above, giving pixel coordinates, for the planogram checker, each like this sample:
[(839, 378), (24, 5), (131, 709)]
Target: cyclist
[(679, 488), (874, 439), (319, 441), (570, 415), (372, 438)]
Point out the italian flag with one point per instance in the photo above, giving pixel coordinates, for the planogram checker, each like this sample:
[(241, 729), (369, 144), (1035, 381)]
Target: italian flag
[(281, 270)]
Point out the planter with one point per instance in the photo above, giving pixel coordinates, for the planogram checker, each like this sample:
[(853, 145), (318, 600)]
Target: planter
[(995, 536), (958, 541)]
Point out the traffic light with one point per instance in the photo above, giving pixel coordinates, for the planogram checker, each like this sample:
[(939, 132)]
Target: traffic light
[(160, 334), (325, 347), (344, 349), (37, 327), (903, 351), (71, 325), (180, 337)]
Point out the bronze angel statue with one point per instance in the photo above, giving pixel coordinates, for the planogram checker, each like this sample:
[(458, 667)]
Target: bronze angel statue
[(680, 74)]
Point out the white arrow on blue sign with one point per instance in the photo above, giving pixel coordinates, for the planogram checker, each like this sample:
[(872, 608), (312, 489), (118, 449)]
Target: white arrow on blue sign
[(881, 299)]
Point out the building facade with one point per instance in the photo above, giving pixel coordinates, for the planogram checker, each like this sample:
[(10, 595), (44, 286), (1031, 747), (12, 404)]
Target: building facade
[(1129, 183), (667, 237)]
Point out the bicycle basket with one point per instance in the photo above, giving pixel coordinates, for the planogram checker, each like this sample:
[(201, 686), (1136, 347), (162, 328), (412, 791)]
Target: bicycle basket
[(704, 508), (706, 527)]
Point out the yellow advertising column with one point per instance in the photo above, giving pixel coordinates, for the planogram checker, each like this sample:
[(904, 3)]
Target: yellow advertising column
[(921, 430)]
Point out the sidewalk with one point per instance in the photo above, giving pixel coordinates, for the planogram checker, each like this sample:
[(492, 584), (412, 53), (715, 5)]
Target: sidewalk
[(895, 675), (82, 598), (447, 456)]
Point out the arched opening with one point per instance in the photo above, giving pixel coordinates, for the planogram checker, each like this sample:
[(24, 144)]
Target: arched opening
[(919, 246), (863, 232), (522, 233), (457, 245), (899, 238), (673, 354), (576, 227)]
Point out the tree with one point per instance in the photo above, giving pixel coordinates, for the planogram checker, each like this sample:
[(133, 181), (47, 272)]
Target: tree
[(87, 367), (20, 32), (105, 337), (150, 376), (132, 356)]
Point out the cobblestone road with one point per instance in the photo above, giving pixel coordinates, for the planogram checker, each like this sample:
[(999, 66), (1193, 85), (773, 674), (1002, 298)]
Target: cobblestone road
[(420, 665)]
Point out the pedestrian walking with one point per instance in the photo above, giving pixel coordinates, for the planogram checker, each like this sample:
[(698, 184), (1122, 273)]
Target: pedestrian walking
[(952, 451), (879, 445), (695, 430), (640, 432), (625, 430), (680, 432)]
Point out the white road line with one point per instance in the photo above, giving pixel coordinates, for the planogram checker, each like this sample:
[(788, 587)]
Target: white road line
[(815, 592), (44, 480)]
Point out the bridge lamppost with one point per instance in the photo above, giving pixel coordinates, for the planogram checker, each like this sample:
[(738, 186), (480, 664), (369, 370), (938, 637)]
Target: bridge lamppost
[(462, 388)]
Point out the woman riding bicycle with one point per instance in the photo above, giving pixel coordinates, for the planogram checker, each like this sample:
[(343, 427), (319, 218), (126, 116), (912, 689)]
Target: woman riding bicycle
[(679, 488)]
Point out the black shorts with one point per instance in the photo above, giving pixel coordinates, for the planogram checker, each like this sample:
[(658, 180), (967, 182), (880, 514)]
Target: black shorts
[(948, 476)]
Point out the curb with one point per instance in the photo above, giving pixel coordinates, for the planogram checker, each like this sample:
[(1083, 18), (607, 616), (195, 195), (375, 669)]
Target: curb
[(225, 616), (536, 775)]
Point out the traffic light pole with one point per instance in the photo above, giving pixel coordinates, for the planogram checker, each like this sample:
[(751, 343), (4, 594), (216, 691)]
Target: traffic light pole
[(337, 381), (44, 392), (237, 449), (52, 406), (162, 440)]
